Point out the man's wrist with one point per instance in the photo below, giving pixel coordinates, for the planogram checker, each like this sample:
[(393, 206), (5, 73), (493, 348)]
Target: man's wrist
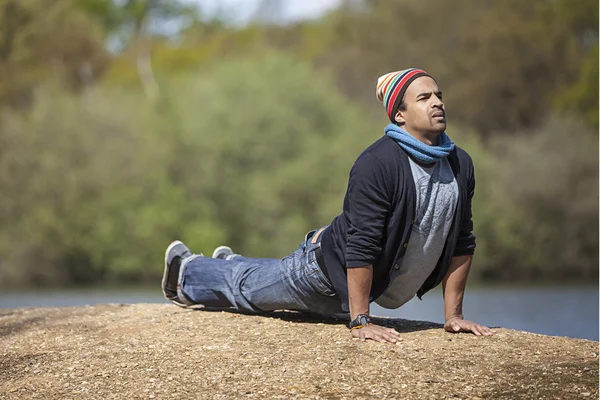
[(353, 316), (460, 316), (360, 321)]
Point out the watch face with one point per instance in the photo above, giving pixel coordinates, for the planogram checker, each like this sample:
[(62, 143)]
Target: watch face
[(360, 320)]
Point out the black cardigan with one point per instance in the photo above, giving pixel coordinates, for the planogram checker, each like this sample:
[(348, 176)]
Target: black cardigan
[(378, 213)]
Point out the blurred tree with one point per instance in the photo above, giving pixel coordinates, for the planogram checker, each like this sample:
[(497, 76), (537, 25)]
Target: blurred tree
[(582, 96), (536, 204), (41, 40), (252, 147), (503, 64), (130, 26), (580, 18), (523, 56), (123, 20), (269, 142), (202, 44), (90, 200), (246, 152), (365, 42)]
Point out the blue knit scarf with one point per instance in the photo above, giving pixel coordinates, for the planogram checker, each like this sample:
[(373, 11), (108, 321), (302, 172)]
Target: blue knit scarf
[(419, 150)]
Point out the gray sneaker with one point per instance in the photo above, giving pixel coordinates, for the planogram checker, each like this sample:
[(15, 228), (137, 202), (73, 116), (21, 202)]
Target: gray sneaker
[(224, 253), (175, 254)]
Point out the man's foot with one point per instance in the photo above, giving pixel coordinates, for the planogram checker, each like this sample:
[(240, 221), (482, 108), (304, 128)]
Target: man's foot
[(175, 254), (224, 253)]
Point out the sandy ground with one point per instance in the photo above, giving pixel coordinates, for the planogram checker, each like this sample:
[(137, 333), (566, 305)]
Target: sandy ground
[(154, 351)]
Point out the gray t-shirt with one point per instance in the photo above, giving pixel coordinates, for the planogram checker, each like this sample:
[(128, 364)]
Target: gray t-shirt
[(437, 197)]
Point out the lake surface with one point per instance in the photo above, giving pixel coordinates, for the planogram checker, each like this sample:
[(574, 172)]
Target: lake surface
[(559, 311)]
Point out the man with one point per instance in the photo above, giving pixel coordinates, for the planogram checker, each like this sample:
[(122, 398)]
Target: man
[(405, 227)]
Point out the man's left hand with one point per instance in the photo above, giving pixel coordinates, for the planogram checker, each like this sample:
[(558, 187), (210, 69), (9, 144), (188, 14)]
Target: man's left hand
[(455, 325)]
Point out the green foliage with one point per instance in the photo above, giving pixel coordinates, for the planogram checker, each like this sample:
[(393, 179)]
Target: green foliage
[(582, 96), (536, 204), (252, 134), (249, 153), (269, 143), (502, 64), (87, 200), (123, 18), (44, 40)]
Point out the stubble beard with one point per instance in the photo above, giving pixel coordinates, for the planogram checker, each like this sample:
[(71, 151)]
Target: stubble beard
[(438, 128)]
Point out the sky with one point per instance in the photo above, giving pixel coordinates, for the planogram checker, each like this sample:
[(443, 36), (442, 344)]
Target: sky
[(241, 11)]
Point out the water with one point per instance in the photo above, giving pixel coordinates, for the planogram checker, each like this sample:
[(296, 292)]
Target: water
[(556, 311), (559, 311)]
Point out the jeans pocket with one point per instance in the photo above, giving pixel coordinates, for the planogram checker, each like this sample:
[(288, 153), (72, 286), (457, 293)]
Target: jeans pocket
[(317, 279)]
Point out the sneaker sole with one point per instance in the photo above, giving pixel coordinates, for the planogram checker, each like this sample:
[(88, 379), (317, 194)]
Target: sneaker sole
[(219, 249), (166, 274)]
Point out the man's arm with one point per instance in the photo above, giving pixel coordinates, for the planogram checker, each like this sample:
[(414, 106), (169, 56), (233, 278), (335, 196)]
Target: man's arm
[(359, 289), (453, 285), (456, 278), (368, 203)]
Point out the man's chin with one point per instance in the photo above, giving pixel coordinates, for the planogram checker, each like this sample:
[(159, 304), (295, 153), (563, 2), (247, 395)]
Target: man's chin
[(438, 128)]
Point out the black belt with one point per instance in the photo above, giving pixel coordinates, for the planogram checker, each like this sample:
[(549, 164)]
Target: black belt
[(319, 252), (321, 262)]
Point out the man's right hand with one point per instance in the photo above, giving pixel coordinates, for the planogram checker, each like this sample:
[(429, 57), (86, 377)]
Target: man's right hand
[(359, 287), (377, 333)]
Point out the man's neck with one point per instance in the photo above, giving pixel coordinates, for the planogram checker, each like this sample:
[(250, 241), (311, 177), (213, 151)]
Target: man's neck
[(429, 138)]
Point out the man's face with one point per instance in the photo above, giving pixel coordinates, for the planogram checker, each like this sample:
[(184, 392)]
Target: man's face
[(424, 113)]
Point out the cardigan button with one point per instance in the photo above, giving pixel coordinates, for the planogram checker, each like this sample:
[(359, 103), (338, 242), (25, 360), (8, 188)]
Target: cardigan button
[(405, 245), (396, 266)]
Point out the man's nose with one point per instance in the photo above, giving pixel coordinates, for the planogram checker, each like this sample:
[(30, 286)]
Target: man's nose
[(437, 102)]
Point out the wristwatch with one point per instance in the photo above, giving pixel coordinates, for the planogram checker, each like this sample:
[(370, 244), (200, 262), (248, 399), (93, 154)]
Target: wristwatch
[(360, 321)]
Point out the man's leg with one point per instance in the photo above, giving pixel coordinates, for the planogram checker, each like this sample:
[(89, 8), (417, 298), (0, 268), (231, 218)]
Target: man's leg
[(225, 253), (294, 282)]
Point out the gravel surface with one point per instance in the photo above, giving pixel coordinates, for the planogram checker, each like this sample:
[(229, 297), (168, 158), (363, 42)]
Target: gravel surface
[(156, 351)]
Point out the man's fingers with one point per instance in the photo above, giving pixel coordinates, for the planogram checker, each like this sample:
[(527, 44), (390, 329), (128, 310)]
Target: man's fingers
[(397, 337), (479, 330), (394, 332), (377, 337), (379, 334), (389, 338), (468, 326), (487, 331), (380, 337), (390, 335)]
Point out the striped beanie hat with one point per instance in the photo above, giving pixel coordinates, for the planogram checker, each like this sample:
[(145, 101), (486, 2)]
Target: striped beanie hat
[(392, 86)]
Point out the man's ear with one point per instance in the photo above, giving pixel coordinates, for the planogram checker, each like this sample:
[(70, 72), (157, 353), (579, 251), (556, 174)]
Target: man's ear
[(399, 117)]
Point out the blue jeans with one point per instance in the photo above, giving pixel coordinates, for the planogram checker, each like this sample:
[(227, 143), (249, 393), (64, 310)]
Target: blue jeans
[(294, 282)]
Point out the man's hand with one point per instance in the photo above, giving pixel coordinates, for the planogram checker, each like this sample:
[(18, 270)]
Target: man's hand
[(377, 333), (456, 325), (454, 289)]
